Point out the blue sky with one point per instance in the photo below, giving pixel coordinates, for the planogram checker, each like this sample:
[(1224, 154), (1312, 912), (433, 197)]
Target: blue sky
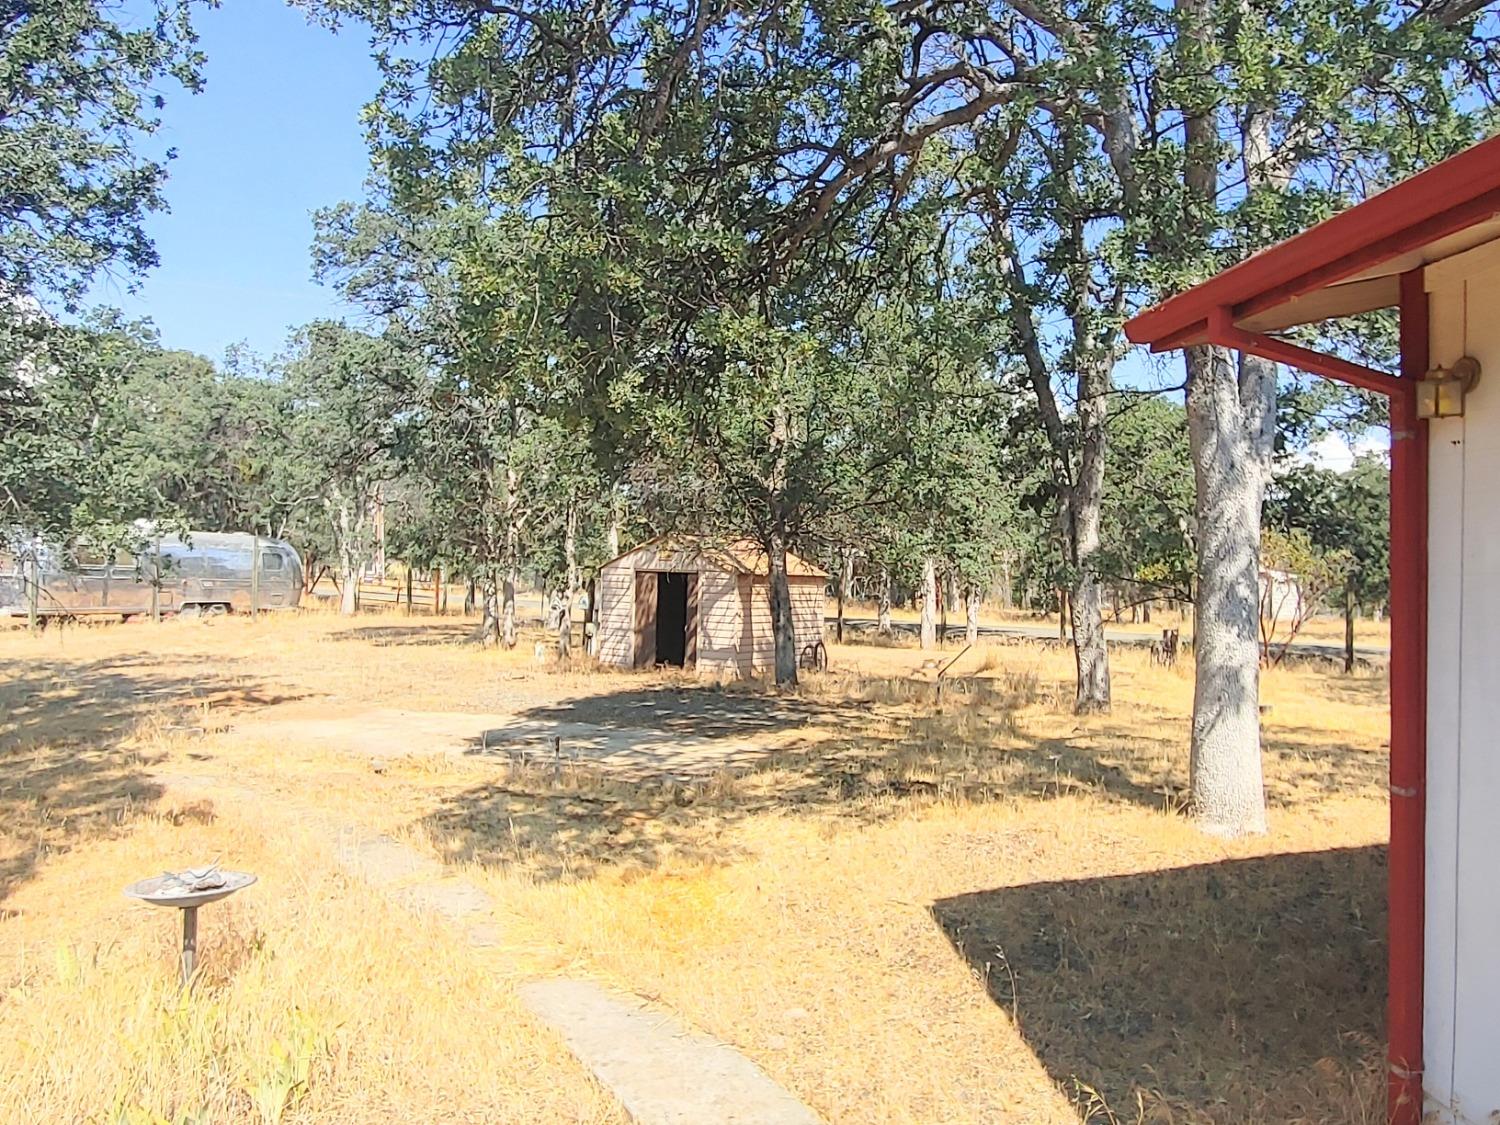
[(274, 136)]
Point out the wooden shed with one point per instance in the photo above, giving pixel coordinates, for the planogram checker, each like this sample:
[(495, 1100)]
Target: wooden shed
[(701, 604)]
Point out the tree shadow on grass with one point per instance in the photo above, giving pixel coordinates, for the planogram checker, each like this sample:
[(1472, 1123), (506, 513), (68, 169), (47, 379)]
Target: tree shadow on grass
[(1246, 990), (881, 752), (702, 711), (633, 776), (65, 773)]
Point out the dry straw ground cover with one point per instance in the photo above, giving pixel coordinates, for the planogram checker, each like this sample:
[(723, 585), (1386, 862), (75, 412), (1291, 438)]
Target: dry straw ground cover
[(982, 909)]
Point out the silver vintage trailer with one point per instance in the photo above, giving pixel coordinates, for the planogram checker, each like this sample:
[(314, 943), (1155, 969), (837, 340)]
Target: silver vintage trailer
[(204, 572)]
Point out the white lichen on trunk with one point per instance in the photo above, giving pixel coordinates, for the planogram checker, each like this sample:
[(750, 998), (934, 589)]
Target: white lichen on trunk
[(1229, 414), (783, 628), (928, 596)]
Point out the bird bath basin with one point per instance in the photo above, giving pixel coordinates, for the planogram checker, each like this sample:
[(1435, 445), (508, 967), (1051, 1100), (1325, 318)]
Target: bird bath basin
[(186, 891)]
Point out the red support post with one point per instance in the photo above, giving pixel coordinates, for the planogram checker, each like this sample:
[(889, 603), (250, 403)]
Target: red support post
[(1408, 680)]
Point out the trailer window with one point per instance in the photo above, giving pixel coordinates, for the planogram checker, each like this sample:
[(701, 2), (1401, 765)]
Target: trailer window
[(270, 560)]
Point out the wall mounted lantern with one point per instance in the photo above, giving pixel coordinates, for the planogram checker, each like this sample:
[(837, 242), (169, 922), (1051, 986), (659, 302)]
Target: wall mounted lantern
[(1441, 392)]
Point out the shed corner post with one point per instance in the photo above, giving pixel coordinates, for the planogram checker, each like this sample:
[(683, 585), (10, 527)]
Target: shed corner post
[(1408, 693)]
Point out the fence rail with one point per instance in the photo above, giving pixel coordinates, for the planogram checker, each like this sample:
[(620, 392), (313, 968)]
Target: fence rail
[(422, 596)]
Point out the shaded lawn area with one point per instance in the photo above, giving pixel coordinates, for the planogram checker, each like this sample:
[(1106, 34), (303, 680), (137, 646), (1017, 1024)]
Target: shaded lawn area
[(1214, 989)]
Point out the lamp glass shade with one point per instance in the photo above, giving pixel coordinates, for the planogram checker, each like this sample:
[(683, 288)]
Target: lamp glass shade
[(1450, 398), (1427, 399)]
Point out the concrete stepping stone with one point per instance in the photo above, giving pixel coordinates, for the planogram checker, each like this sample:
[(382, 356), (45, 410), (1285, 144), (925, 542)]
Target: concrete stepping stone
[(421, 882), (662, 1072)]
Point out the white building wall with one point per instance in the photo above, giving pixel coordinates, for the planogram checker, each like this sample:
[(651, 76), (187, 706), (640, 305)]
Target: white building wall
[(721, 621), (615, 624), (809, 610), (1461, 1018)]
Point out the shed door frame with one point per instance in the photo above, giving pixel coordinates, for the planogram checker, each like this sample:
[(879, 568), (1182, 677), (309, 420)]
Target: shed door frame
[(692, 621), (647, 590), (644, 630)]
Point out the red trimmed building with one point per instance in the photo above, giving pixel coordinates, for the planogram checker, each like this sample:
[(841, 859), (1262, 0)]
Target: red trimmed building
[(1429, 247)]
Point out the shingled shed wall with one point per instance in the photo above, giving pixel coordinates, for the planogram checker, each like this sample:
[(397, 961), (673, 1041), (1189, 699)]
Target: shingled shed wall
[(730, 630)]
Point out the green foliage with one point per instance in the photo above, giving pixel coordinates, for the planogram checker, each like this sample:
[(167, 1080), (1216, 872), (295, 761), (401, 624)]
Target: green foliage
[(854, 273), (1346, 513), (1297, 575), (64, 423), (81, 90), (345, 396), (1148, 507), (206, 447), (80, 93)]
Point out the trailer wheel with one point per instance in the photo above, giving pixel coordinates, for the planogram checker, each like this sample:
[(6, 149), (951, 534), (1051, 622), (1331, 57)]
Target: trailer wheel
[(218, 609)]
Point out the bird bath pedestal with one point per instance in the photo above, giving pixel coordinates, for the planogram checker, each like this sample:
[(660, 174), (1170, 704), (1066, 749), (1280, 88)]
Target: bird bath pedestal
[(186, 891)]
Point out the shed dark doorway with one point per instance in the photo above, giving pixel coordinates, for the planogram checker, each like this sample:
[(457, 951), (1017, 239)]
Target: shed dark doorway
[(672, 619)]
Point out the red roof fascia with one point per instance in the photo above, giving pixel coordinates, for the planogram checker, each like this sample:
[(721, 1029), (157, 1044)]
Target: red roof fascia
[(1439, 201)]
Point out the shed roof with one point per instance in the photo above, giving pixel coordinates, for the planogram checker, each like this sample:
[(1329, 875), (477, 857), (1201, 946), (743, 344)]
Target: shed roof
[(1345, 265), (743, 556)]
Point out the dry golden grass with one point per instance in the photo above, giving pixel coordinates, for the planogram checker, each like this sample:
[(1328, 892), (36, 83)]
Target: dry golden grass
[(318, 1000), (984, 909)]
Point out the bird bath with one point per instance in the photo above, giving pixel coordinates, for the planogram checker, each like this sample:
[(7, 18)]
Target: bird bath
[(188, 890)]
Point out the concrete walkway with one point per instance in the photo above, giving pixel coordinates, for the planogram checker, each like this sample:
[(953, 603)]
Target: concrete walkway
[(662, 1072)]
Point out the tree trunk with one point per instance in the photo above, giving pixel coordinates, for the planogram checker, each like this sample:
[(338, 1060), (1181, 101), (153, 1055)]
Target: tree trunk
[(512, 553), (1231, 424), (570, 593), (883, 613), (971, 629), (348, 560), (1086, 507), (489, 622), (1348, 628), (508, 608), (591, 617), (1080, 494), (156, 582), (928, 596), (1062, 613), (846, 578), (471, 597), (1225, 761), (942, 629), (783, 627), (34, 590), (562, 615), (613, 536), (254, 578)]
